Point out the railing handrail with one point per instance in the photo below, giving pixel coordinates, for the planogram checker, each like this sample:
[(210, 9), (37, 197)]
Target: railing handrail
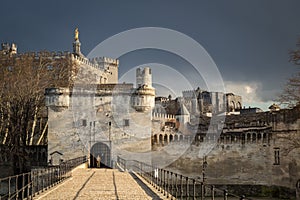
[(26, 185), (163, 180)]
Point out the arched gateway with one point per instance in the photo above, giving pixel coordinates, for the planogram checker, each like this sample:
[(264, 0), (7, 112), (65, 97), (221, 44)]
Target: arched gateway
[(102, 151)]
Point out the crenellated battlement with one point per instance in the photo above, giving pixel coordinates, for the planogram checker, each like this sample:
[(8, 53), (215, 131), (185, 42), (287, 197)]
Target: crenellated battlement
[(107, 60), (144, 77), (189, 94), (52, 54), (85, 61), (99, 64), (162, 116)]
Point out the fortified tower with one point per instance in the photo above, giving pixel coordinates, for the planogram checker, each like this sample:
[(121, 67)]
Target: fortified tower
[(110, 68), (143, 98), (144, 77)]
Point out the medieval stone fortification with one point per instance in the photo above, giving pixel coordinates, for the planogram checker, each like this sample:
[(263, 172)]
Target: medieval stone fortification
[(96, 115)]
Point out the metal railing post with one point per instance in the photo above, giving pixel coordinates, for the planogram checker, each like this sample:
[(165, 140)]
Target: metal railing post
[(43, 179), (161, 181), (168, 190), (172, 187), (176, 186), (48, 178), (28, 184), (194, 189), (181, 187), (156, 178), (23, 184), (16, 186), (225, 194), (0, 184), (152, 175), (212, 192), (37, 182), (9, 186), (187, 188), (202, 190), (164, 182), (32, 185)]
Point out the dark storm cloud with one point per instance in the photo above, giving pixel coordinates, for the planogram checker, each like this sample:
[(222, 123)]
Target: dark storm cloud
[(248, 40)]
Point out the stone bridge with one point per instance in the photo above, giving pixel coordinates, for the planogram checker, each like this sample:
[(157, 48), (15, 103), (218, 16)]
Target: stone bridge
[(100, 183), (131, 180)]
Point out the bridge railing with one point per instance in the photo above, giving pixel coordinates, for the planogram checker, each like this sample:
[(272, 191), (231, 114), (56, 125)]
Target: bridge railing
[(26, 185), (174, 185)]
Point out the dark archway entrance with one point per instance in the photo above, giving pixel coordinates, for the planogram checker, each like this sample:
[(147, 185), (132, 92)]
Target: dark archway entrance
[(103, 151)]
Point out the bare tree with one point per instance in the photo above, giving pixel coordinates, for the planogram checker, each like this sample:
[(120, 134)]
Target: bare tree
[(291, 94), (23, 81)]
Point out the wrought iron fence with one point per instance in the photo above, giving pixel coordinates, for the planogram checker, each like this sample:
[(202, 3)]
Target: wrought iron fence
[(26, 185), (174, 185)]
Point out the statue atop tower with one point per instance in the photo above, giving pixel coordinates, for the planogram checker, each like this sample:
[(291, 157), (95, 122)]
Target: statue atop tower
[(76, 44), (76, 34)]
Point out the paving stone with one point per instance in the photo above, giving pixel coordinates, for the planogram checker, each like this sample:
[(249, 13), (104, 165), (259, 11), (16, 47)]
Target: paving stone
[(97, 184)]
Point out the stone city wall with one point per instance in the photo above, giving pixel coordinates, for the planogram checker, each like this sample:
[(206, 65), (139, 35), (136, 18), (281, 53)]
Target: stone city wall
[(259, 148)]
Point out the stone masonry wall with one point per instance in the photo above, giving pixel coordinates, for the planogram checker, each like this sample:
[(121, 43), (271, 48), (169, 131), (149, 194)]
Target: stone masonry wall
[(271, 162)]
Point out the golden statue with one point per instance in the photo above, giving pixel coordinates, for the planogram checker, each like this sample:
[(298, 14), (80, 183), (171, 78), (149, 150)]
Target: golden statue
[(76, 33)]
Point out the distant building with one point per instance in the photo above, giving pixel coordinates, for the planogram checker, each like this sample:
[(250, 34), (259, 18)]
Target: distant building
[(274, 107), (8, 49), (201, 102), (250, 110)]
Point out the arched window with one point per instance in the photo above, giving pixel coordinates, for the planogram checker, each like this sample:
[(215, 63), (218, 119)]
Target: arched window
[(258, 137), (243, 138), (176, 138), (160, 138), (154, 139), (171, 138), (264, 138), (232, 106), (181, 137), (166, 138), (253, 137), (238, 106), (248, 137)]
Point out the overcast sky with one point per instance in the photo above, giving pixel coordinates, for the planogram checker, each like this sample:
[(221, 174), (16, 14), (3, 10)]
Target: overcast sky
[(248, 40)]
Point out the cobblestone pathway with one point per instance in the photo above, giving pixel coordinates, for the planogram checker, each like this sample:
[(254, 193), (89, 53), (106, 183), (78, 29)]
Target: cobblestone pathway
[(97, 184)]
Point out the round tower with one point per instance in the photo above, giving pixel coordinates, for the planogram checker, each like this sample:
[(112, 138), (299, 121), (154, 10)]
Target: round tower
[(144, 77), (143, 97), (138, 78), (147, 77)]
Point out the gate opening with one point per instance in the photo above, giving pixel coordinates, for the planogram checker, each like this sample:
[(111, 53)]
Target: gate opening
[(100, 152)]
